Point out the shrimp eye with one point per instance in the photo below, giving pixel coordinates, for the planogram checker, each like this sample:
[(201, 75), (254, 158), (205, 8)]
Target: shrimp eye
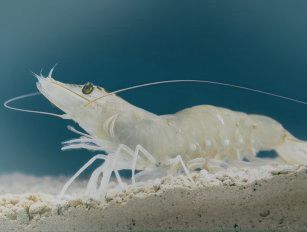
[(88, 88)]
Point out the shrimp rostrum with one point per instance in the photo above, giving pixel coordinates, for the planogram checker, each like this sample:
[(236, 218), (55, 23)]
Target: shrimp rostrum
[(128, 137)]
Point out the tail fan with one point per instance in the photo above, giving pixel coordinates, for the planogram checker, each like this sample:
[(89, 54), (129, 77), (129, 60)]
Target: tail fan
[(293, 151)]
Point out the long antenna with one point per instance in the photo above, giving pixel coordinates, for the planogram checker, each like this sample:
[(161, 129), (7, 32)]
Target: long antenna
[(202, 81), (63, 116)]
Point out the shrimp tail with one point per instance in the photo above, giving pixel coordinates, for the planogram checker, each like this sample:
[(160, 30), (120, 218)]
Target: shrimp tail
[(293, 151)]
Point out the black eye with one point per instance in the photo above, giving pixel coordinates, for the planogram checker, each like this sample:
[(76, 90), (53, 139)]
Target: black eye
[(88, 88)]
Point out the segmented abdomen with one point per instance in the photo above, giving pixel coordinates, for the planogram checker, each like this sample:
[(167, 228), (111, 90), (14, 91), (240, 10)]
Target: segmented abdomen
[(219, 133)]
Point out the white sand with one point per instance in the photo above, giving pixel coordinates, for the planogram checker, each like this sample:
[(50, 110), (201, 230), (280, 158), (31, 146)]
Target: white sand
[(265, 198)]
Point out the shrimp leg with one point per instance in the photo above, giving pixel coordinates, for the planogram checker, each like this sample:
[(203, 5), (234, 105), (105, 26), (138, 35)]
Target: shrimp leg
[(135, 155), (178, 160), (116, 164), (106, 169), (138, 149), (92, 183), (71, 180)]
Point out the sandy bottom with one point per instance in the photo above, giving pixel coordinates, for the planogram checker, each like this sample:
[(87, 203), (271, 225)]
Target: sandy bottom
[(267, 198)]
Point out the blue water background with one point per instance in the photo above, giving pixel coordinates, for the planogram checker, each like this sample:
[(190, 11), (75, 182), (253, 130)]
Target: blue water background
[(116, 44)]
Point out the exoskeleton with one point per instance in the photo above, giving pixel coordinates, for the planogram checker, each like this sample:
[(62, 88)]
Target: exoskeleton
[(199, 137)]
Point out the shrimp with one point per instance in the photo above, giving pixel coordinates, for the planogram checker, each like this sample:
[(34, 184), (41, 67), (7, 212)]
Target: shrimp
[(200, 137)]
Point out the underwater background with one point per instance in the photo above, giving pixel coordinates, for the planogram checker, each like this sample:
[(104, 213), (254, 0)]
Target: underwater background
[(115, 44)]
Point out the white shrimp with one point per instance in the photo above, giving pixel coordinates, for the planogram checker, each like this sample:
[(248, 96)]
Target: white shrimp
[(198, 137)]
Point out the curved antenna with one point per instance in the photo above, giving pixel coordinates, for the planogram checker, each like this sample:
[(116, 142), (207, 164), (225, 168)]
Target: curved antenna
[(6, 105), (65, 116), (202, 81)]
